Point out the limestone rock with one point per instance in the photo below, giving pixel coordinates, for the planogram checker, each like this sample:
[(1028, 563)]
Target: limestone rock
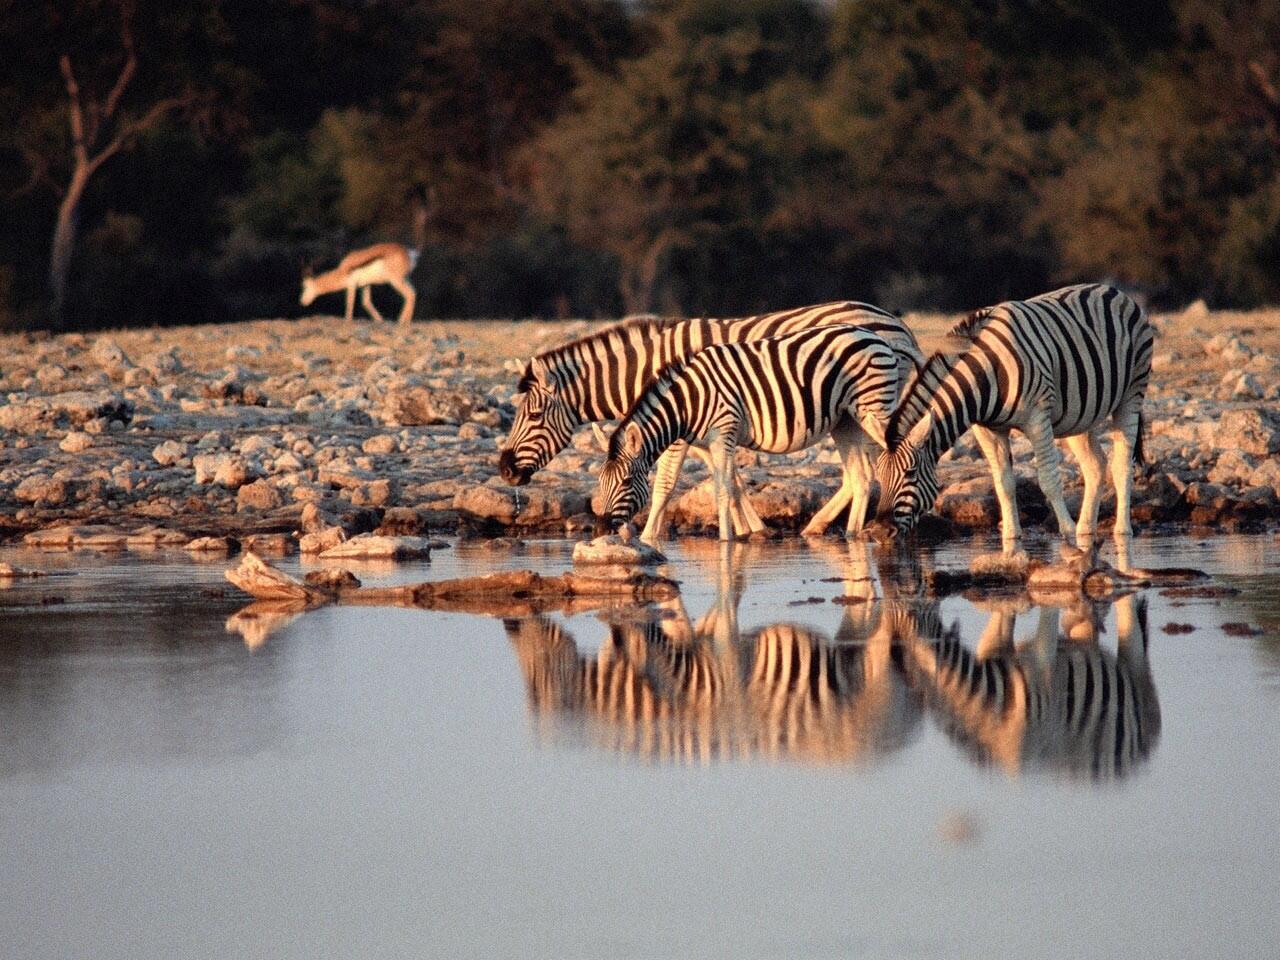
[(215, 545), (419, 406), (401, 521), (1232, 467), (225, 469), (42, 488), (258, 495), (63, 410), (109, 355), (369, 546), (540, 504), (168, 453), (1253, 431), (381, 444), (76, 441), (321, 540), (615, 550), (64, 537), (154, 537), (486, 503)]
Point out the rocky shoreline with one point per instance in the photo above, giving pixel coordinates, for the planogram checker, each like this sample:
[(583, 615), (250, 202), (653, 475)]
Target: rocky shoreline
[(305, 434)]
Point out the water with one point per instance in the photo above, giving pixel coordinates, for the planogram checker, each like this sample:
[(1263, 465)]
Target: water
[(390, 783)]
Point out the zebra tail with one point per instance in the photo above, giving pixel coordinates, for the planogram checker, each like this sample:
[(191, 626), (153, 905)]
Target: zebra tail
[(1139, 450)]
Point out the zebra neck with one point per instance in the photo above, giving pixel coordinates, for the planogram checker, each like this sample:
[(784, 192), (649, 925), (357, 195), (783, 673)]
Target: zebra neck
[(955, 406), (661, 426), (602, 375)]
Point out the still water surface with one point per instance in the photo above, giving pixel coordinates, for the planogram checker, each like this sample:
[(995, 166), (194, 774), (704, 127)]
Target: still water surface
[(745, 774)]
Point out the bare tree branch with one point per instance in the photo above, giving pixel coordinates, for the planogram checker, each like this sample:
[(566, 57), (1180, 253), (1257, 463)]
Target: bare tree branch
[(1266, 89), (128, 131), (76, 111), (130, 63)]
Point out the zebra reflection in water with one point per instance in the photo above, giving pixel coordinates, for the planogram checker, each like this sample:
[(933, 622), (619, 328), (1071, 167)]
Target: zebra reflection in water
[(669, 690), (1059, 701)]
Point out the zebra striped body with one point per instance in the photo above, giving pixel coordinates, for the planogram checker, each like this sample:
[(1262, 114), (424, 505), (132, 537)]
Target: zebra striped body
[(776, 395), (1062, 364), (1054, 702), (600, 377), (783, 692)]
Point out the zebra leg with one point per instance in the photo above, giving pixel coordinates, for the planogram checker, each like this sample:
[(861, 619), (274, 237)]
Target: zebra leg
[(845, 436), (722, 449), (1088, 454), (1049, 468), (862, 473), (995, 447), (1124, 435), (997, 636), (664, 482), (366, 297), (745, 519)]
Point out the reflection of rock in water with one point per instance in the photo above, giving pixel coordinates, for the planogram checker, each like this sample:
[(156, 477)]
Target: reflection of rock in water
[(669, 692), (1059, 701)]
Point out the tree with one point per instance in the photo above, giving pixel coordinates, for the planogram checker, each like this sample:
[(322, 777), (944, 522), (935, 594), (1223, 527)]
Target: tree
[(99, 130), (90, 80), (684, 146), (1177, 185)]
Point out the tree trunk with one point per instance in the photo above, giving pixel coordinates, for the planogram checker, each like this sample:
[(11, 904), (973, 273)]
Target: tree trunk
[(64, 243)]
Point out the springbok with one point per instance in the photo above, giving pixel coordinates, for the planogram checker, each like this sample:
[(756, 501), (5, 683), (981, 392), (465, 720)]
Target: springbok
[(389, 263)]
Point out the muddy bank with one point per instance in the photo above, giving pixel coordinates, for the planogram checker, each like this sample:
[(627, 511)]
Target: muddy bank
[(321, 430)]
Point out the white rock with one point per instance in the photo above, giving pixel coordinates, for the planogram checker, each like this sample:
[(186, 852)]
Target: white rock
[(614, 550), (369, 546), (168, 453), (75, 442)]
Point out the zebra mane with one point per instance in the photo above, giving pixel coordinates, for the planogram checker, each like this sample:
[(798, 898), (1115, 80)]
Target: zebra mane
[(918, 392), (921, 387), (664, 379), (557, 356), (969, 328)]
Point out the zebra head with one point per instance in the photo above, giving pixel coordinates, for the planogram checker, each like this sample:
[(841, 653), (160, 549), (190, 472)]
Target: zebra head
[(543, 427), (908, 478), (624, 479)]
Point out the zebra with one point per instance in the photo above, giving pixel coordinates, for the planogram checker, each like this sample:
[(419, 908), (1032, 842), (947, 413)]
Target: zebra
[(1060, 701), (668, 690), (600, 376), (1057, 365), (777, 395)]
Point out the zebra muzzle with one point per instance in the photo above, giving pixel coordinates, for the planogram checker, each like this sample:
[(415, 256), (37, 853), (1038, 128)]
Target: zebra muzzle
[(507, 469)]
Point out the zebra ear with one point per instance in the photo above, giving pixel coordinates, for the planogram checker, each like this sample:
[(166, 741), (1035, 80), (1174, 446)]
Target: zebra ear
[(920, 431), (875, 429), (632, 439)]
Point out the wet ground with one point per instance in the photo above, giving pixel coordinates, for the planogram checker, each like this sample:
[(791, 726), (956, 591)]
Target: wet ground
[(751, 773)]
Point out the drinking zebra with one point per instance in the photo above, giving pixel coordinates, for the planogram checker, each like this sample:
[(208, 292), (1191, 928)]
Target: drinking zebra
[(1060, 701), (777, 395), (599, 377), (1062, 364)]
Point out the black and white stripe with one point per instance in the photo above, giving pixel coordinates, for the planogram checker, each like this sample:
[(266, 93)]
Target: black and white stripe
[(600, 377), (775, 395), (1062, 364), (1053, 702), (783, 692)]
